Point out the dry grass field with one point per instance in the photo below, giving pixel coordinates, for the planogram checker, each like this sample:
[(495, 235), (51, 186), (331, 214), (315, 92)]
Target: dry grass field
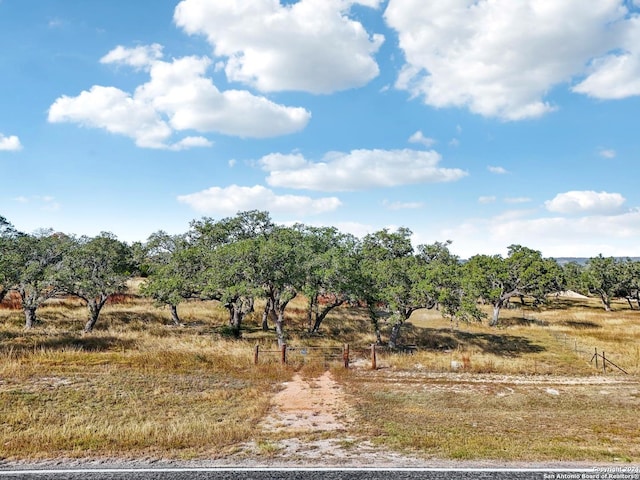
[(139, 387)]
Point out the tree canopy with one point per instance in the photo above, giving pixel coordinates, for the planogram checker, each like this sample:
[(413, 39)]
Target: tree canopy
[(246, 258)]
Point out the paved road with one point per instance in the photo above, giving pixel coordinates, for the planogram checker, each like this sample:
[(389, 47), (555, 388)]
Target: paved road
[(309, 474)]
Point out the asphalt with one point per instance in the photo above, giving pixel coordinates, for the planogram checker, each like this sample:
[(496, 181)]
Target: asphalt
[(315, 474)]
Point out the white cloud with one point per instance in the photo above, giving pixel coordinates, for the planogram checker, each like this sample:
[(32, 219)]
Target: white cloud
[(178, 97), (191, 142), (584, 236), (419, 137), (499, 58), (487, 199), (585, 202), (140, 57), (310, 45), (358, 170), (234, 198), (607, 153), (10, 143), (616, 75), (278, 161), (117, 112), (402, 205), (497, 170)]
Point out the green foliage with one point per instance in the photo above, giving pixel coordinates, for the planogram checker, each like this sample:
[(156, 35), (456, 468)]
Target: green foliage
[(524, 272), (604, 276), (172, 266), (94, 268), (444, 282), (239, 259), (330, 270), (572, 274), (32, 264), (402, 281)]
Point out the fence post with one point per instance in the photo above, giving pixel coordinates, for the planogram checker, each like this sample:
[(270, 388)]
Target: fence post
[(345, 355), (604, 363), (256, 354), (374, 364), (283, 354), (596, 356)]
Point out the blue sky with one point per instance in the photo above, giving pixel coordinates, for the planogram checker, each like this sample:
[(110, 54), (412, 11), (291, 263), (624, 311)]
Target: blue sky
[(487, 123)]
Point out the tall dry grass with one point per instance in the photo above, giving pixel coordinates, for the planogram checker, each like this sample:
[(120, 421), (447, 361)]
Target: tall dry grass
[(525, 391), (139, 386), (136, 386)]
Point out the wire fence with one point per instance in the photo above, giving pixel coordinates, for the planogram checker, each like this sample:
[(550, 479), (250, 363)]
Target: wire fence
[(345, 354), (597, 358)]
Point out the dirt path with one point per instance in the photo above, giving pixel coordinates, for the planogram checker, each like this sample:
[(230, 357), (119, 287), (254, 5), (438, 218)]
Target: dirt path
[(310, 421), (306, 406)]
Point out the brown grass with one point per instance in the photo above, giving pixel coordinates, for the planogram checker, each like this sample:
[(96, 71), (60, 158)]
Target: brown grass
[(525, 391), (136, 386), (498, 418), (139, 386)]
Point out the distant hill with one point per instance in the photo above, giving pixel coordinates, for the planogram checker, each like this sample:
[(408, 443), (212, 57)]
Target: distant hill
[(584, 260)]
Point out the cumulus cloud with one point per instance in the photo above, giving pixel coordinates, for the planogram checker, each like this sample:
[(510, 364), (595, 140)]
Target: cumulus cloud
[(500, 58), (116, 111), (574, 202), (140, 57), (190, 142), (616, 75), (581, 236), (497, 170), (178, 97), (310, 45), (234, 198), (358, 170), (10, 143), (419, 137)]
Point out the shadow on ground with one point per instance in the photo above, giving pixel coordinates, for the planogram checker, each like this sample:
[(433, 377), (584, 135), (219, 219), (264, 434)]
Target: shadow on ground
[(445, 339), (580, 325)]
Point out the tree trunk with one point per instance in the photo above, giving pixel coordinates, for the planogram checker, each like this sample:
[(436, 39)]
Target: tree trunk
[(320, 316), (629, 302), (374, 322), (280, 327), (606, 302), (235, 319), (174, 315), (312, 308), (265, 315), (496, 313), (395, 334), (30, 317), (94, 312)]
